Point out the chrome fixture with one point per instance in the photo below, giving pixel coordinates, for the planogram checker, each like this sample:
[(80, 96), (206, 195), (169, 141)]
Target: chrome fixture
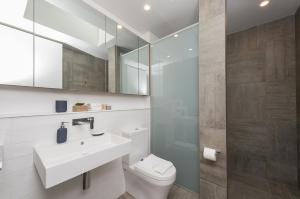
[(86, 181), (81, 121)]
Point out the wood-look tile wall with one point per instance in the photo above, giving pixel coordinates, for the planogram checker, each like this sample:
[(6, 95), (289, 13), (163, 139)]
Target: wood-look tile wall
[(261, 102), (212, 100), (298, 85)]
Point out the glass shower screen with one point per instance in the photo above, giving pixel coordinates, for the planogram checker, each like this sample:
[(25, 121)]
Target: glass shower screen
[(174, 102)]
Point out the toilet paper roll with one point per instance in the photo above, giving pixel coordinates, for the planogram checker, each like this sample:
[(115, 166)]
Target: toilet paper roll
[(210, 154)]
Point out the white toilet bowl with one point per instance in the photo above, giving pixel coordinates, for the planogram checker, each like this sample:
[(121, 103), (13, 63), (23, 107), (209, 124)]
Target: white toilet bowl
[(143, 182), (143, 179)]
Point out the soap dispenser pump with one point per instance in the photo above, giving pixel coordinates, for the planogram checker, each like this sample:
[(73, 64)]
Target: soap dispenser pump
[(62, 134)]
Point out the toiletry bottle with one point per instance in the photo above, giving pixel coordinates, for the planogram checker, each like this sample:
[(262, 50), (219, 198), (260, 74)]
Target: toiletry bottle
[(62, 134)]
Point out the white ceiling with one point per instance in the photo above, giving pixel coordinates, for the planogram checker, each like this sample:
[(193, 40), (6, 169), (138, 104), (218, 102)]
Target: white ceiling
[(243, 14), (164, 18), (169, 16)]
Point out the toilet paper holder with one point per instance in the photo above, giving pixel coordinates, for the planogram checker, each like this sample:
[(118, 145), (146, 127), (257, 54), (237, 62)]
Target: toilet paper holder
[(217, 150), (211, 154)]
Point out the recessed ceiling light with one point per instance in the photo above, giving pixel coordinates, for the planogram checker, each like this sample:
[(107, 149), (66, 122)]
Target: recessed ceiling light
[(147, 7), (190, 49), (176, 35), (264, 3), (168, 56), (119, 26)]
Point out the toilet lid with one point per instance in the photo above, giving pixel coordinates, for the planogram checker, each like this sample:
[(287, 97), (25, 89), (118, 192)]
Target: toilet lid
[(146, 165)]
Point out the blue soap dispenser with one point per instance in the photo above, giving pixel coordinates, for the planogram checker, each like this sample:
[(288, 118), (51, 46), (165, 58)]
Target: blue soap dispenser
[(62, 133)]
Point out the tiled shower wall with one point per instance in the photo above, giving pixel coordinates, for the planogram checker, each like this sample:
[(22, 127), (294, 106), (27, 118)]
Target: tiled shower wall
[(261, 102), (212, 99)]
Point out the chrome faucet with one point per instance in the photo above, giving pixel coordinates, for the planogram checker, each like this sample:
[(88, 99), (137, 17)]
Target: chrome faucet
[(81, 121)]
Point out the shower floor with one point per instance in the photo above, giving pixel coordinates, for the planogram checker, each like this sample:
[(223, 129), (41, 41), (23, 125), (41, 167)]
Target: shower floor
[(245, 187)]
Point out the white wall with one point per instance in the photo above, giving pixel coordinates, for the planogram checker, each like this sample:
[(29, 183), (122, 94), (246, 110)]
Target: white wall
[(19, 179)]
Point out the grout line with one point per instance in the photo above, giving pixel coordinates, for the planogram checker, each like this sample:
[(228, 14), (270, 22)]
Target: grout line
[(17, 115)]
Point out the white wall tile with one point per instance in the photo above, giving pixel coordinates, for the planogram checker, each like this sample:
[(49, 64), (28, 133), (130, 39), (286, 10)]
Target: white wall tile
[(19, 179), (28, 100)]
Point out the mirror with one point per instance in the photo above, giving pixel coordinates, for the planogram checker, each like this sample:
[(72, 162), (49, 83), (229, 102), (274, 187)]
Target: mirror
[(144, 67), (70, 45), (112, 61), (16, 43), (128, 48), (77, 32)]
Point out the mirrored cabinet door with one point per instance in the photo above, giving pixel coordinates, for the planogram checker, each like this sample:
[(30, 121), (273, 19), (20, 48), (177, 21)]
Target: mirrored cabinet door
[(144, 67), (16, 42), (113, 69), (48, 63), (16, 63), (69, 45), (77, 32), (127, 47)]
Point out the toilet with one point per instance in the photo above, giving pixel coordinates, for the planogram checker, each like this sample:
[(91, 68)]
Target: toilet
[(146, 175)]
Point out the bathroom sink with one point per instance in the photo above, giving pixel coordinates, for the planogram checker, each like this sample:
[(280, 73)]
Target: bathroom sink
[(61, 162)]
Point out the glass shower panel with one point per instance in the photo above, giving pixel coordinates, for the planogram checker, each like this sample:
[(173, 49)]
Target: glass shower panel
[(130, 72), (174, 98), (144, 65)]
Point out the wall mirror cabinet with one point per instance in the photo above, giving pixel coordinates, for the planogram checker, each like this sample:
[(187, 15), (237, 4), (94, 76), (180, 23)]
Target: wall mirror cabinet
[(70, 45)]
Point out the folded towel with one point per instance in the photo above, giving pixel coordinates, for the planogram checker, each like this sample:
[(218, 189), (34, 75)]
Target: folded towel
[(163, 167)]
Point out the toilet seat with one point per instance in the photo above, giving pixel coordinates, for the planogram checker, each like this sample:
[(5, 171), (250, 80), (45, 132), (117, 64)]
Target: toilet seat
[(144, 169)]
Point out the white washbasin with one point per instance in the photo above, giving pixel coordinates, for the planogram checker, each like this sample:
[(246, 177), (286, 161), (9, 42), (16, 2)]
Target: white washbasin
[(61, 162)]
